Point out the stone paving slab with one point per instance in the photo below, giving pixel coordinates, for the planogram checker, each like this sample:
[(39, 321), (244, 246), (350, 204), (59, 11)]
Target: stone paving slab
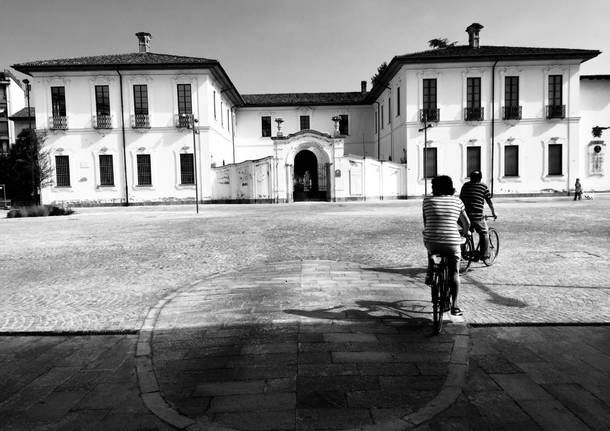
[(242, 349)]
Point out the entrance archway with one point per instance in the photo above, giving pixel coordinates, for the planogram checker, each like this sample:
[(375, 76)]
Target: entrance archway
[(310, 179)]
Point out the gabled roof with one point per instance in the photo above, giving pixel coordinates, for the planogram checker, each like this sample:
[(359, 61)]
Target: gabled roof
[(22, 114), (466, 53), (305, 99), (132, 61)]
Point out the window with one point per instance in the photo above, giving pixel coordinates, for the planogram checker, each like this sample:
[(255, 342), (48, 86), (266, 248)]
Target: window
[(376, 121), (304, 122), (389, 110), (343, 125), (429, 110), (429, 162), (473, 159), (555, 108), (555, 159), (474, 111), (3, 128), (140, 106), (102, 100), (512, 110), (102, 107), (187, 169), (58, 101), (398, 101), (106, 170), (144, 171), (228, 120), (222, 122), (214, 105), (266, 126), (511, 161), (62, 171), (382, 111), (185, 106)]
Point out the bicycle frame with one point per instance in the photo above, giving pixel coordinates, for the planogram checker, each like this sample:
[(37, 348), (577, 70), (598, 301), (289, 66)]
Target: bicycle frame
[(441, 295)]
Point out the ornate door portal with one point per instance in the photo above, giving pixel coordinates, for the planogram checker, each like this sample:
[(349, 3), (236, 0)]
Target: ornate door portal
[(310, 179)]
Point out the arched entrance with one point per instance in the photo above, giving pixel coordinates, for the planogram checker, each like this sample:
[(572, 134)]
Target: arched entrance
[(310, 179)]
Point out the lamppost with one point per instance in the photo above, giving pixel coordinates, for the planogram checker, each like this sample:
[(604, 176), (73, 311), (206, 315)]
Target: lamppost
[(33, 143), (191, 121), (425, 130)]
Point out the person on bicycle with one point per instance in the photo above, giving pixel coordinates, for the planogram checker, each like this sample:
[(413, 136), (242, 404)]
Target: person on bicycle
[(442, 212), (474, 194)]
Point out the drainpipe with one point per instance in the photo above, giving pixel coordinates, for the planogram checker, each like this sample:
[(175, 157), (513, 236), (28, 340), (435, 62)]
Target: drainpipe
[(378, 133), (123, 135), (568, 130), (233, 113), (493, 123)]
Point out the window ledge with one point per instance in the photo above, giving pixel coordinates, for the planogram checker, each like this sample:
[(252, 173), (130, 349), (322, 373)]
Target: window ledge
[(107, 187), (144, 186), (63, 188), (554, 177), (510, 179)]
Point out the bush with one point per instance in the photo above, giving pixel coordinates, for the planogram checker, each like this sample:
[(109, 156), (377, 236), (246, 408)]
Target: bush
[(39, 211)]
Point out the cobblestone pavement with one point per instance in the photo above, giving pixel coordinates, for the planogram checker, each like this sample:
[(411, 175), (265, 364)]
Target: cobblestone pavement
[(304, 345), (101, 269)]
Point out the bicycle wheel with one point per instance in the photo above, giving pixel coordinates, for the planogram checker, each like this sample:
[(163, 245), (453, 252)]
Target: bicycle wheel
[(494, 247), (444, 301), (467, 255), (437, 309)]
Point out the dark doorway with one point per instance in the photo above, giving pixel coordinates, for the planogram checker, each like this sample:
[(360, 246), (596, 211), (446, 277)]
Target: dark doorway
[(309, 182)]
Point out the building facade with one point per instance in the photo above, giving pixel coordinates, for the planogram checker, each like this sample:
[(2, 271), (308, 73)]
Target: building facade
[(12, 101), (144, 127)]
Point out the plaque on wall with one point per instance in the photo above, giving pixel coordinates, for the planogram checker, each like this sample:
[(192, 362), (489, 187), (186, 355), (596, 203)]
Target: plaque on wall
[(338, 173)]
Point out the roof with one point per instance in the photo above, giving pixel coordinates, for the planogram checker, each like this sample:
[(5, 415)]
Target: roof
[(466, 53), (132, 61), (22, 114), (305, 99)]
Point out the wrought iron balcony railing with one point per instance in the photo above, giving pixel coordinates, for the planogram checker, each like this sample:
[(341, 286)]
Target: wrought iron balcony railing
[(58, 122), (429, 115), (555, 111), (102, 122), (474, 114), (184, 120), (140, 121), (511, 112)]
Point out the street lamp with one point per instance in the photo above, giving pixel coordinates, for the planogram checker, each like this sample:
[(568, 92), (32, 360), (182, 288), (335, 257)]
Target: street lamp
[(191, 121), (425, 130), (32, 142)]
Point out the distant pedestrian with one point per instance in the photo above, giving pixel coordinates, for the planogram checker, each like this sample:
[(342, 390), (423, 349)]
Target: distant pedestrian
[(577, 190)]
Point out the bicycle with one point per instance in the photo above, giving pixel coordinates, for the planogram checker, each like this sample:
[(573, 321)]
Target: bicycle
[(441, 293), (470, 253)]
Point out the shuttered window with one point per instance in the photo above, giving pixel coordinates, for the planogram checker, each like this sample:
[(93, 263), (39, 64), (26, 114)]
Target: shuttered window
[(430, 166), (555, 159), (187, 169), (106, 170), (144, 171), (62, 171), (511, 161), (473, 159)]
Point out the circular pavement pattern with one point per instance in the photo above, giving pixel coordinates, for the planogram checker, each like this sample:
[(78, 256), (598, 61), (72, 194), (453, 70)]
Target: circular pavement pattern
[(299, 345)]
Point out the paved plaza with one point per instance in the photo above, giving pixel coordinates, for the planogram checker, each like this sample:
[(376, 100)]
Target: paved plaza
[(301, 317)]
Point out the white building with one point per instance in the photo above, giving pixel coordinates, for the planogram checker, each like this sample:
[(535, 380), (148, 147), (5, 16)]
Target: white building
[(120, 128)]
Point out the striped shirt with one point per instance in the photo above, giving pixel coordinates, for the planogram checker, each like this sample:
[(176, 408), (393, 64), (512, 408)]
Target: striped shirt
[(474, 196), (441, 215)]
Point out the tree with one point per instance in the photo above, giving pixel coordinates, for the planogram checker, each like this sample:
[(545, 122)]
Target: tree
[(380, 71), (26, 168), (440, 43)]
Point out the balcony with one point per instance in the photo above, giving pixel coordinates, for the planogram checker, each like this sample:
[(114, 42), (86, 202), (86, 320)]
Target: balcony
[(474, 114), (184, 121), (555, 111), (511, 113), (432, 115), (58, 122), (140, 121), (102, 122)]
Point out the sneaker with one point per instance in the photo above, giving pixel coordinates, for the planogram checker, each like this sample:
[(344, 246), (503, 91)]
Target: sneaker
[(455, 311)]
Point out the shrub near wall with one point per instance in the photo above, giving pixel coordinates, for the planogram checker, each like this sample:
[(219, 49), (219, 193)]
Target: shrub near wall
[(39, 211)]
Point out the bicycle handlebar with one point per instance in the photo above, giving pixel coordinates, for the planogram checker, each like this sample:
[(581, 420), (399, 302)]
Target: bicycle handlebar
[(490, 216)]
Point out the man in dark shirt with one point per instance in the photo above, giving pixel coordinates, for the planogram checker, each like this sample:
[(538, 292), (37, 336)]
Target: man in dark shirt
[(474, 194)]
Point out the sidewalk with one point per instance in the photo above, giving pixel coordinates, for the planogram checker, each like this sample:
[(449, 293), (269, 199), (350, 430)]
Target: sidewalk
[(308, 345)]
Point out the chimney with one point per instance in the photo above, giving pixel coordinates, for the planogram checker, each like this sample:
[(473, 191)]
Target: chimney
[(143, 41), (473, 34), (363, 86)]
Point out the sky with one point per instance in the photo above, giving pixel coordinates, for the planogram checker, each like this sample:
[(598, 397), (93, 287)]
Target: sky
[(282, 46)]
